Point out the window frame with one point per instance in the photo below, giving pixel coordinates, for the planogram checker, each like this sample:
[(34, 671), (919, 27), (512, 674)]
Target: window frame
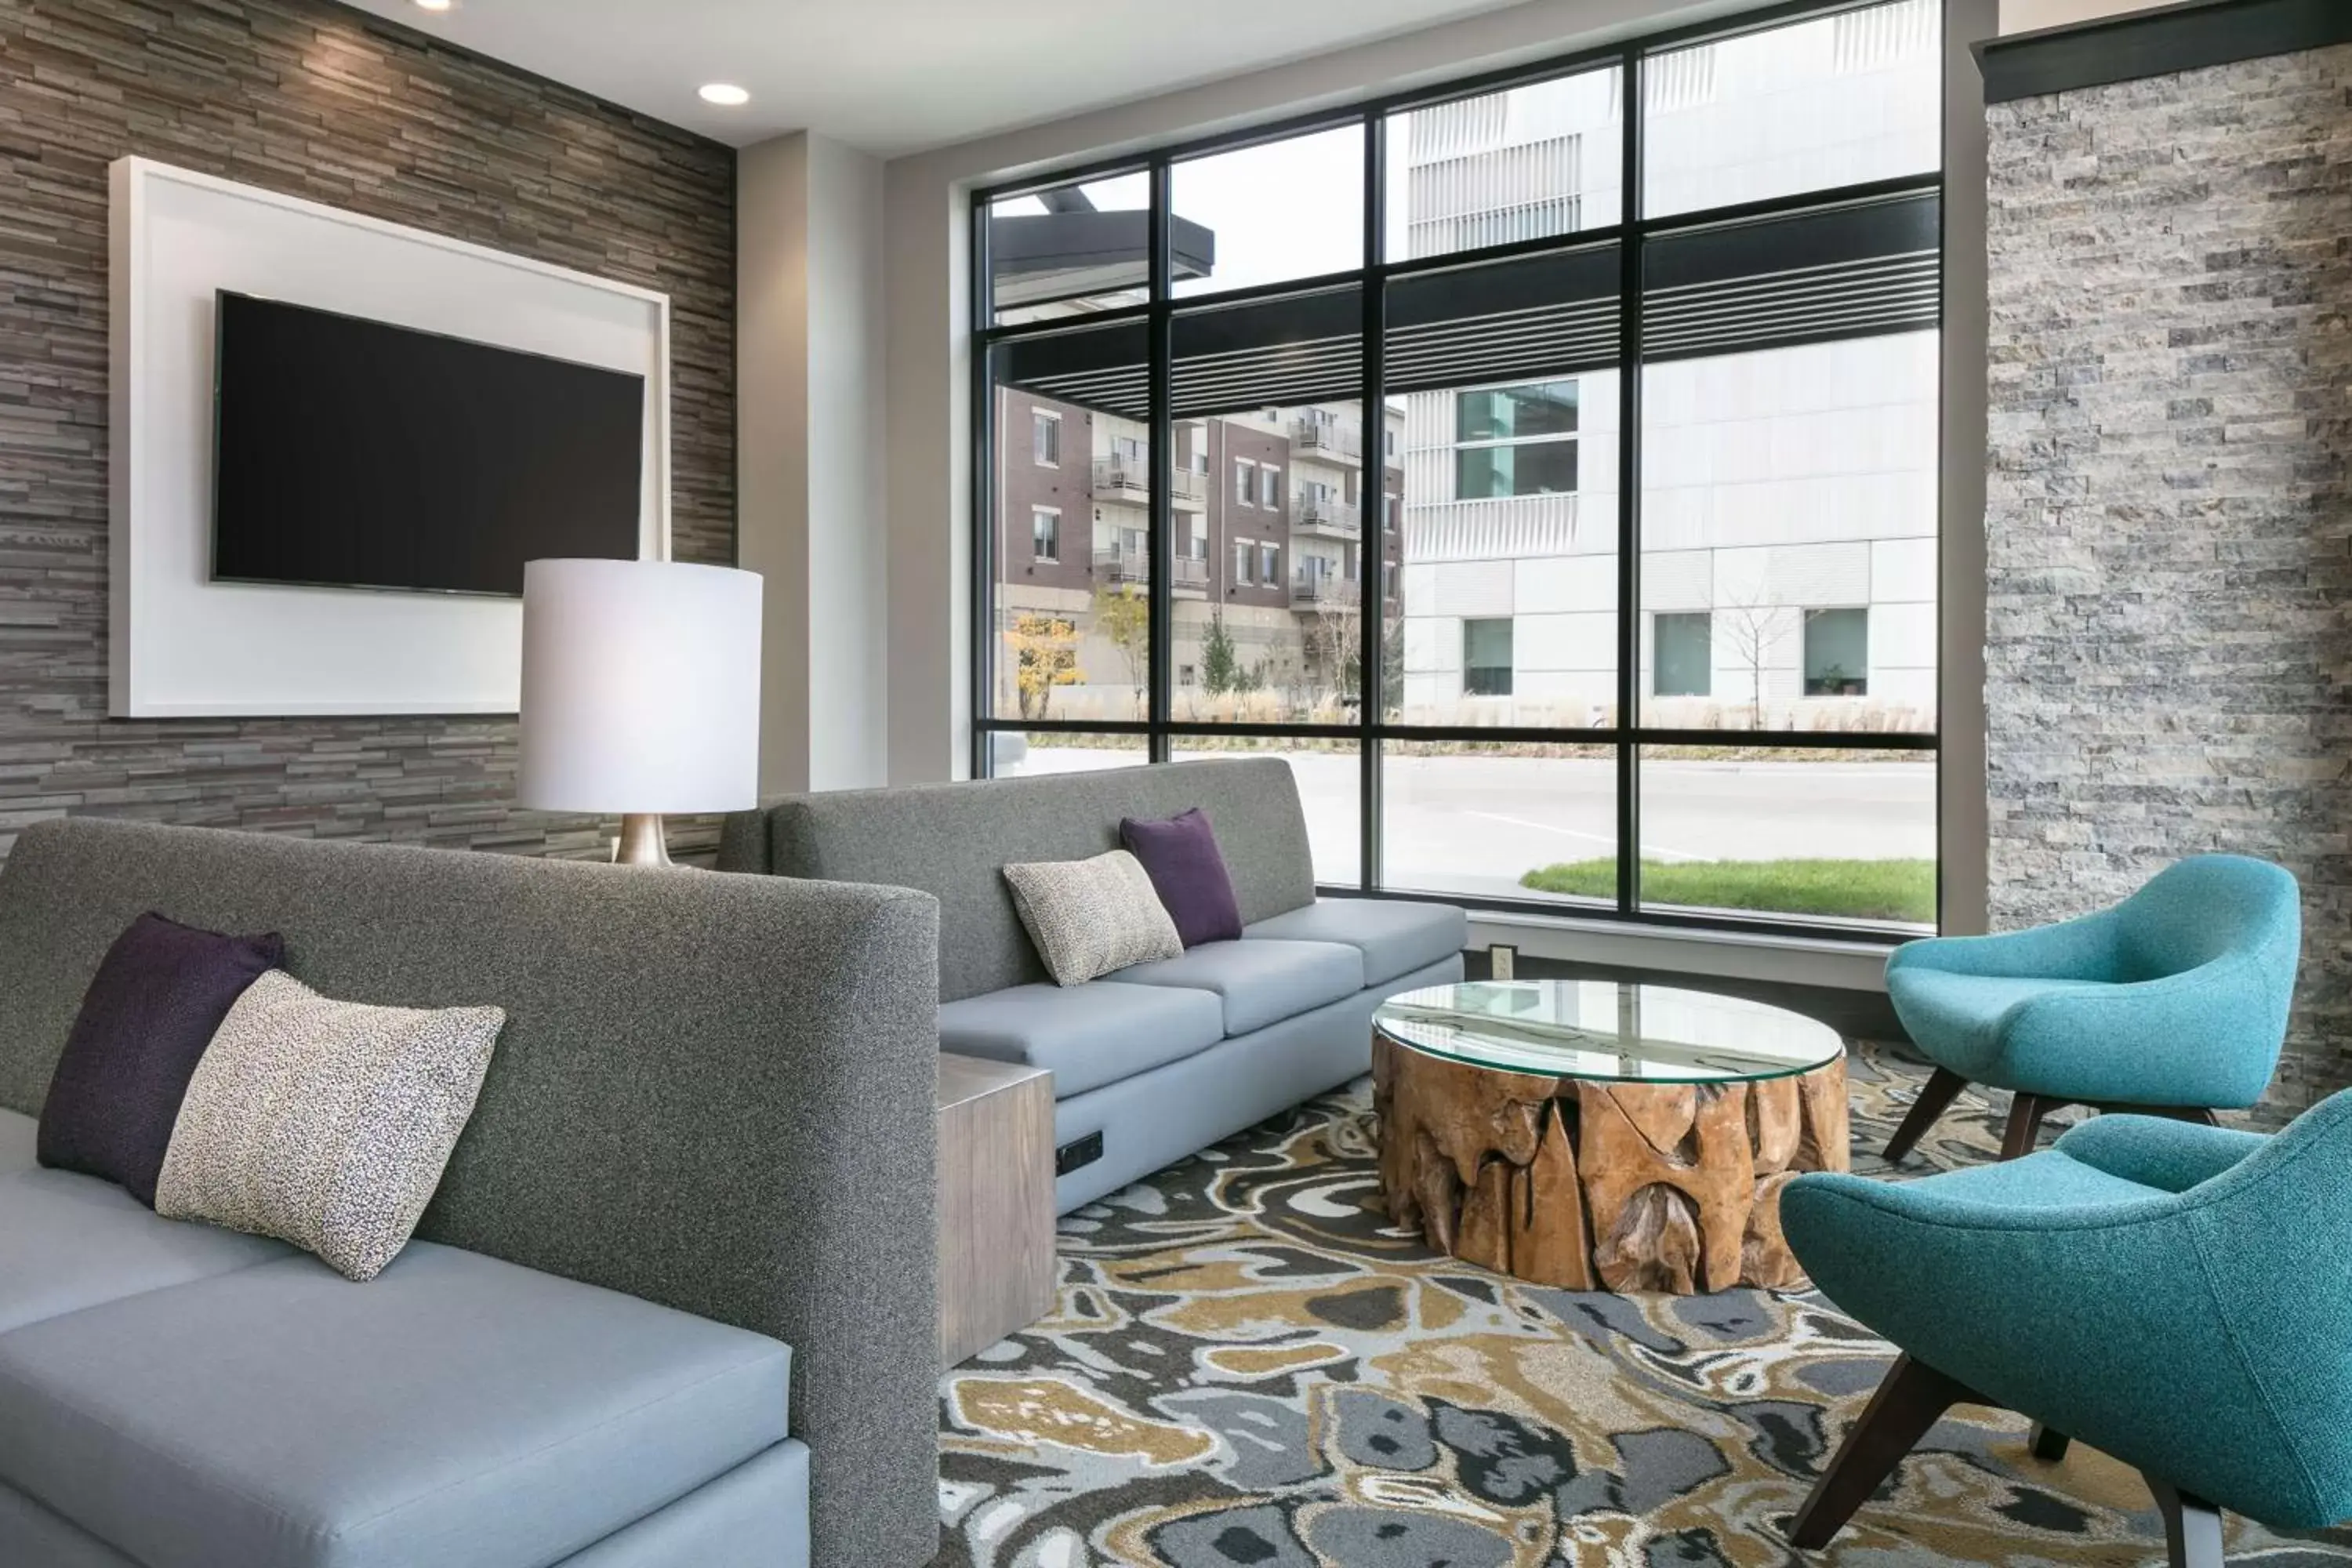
[(1367, 729), (1045, 438), (1808, 618), (1511, 640), (1038, 515), (1657, 660), (1461, 445)]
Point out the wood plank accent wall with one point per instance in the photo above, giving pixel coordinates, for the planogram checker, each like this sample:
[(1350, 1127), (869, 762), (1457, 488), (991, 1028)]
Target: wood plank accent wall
[(320, 101)]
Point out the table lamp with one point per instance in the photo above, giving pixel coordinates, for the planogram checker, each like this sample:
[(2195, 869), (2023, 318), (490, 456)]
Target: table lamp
[(640, 693)]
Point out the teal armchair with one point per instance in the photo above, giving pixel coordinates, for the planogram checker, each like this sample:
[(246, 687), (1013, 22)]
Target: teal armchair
[(2173, 1002), (2178, 1297)]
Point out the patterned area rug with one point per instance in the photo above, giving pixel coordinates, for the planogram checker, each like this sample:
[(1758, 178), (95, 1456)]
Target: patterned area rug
[(1249, 1369)]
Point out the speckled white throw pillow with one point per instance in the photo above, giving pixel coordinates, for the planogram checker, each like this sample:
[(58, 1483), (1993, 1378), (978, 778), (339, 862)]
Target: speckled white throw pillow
[(325, 1124), (1090, 917)]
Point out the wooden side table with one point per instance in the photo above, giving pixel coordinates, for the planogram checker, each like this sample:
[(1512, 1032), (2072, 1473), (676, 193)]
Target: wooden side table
[(996, 1201)]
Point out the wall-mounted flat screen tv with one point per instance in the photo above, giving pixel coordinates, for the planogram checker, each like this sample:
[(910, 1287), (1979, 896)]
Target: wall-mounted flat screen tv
[(349, 453)]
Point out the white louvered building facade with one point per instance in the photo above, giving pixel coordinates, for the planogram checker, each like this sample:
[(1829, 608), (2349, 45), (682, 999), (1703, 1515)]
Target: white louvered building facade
[(1789, 511)]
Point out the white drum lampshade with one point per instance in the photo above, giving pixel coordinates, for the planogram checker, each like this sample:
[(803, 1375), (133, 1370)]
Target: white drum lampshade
[(640, 692)]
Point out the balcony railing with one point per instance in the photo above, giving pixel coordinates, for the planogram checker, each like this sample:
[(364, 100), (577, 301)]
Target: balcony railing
[(1129, 479), (1120, 566), (1341, 440), (1321, 588), (1325, 514)]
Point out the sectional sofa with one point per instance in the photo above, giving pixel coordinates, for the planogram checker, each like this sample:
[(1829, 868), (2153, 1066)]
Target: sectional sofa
[(1154, 1062), (672, 1304)]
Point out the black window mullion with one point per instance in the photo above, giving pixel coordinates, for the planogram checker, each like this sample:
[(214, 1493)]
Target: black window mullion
[(1371, 511), (1369, 730), (985, 523), (1629, 492), (1162, 588)]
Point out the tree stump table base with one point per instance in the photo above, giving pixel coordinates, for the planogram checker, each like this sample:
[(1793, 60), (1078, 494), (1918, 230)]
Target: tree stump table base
[(1589, 1185)]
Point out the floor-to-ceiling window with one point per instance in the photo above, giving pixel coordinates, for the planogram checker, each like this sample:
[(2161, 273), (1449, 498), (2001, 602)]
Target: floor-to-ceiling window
[(1546, 469)]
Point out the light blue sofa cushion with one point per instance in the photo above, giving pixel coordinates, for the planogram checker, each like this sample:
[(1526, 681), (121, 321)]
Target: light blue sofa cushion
[(456, 1410), (19, 1135), (1154, 1119), (1259, 982), (1086, 1036), (754, 1516), (30, 1533), (1395, 936), (70, 1241)]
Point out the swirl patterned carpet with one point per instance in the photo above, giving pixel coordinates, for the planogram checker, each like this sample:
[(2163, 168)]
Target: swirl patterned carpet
[(1248, 1369)]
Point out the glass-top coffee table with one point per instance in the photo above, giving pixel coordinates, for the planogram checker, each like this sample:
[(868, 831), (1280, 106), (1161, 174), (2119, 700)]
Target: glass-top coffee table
[(1594, 1134)]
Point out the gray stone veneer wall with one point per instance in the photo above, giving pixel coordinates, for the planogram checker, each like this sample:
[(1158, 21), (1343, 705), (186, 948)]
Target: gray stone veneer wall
[(2169, 534), (327, 103)]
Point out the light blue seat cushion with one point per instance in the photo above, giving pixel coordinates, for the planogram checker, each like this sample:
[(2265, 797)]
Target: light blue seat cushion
[(1396, 937), (30, 1533), (1086, 1036), (456, 1410), (754, 1516), (1968, 1015), (19, 1135), (2051, 1180), (70, 1241), (1260, 983)]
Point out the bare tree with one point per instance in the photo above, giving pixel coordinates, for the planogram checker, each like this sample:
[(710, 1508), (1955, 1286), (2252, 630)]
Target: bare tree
[(1332, 633), (1750, 628)]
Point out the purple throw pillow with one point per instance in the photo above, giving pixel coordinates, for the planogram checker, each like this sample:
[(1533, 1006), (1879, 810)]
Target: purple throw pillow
[(154, 1005), (1187, 872)]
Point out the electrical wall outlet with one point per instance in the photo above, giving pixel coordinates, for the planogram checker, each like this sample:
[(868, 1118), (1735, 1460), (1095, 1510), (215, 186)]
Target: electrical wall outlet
[(1505, 960), (1076, 1155)]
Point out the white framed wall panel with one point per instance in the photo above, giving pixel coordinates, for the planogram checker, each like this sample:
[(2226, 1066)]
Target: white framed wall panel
[(180, 645)]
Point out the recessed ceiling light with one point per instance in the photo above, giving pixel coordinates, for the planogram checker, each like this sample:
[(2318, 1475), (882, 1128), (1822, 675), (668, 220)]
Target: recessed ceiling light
[(435, 5), (725, 94)]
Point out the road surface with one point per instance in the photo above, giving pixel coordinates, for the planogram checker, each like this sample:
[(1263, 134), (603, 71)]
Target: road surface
[(1470, 824)]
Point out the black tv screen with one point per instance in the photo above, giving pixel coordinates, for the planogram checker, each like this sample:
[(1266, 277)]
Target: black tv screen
[(350, 453)]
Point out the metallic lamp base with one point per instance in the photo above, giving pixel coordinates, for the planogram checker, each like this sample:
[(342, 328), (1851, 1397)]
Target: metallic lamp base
[(642, 841)]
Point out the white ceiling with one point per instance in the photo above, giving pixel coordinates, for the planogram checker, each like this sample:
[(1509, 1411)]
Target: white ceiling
[(898, 75)]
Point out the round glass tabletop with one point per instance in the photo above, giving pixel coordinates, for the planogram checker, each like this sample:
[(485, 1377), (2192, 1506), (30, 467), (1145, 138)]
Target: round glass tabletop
[(1609, 1030)]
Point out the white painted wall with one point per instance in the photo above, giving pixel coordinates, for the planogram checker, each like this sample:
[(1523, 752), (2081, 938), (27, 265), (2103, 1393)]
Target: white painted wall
[(180, 645), (1960, 671), (810, 335), (2028, 16)]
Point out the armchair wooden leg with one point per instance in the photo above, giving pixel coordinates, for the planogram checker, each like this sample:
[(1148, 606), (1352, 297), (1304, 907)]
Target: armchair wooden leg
[(1909, 1403), (2192, 1527), (2026, 1112), (1934, 1098), (2048, 1445)]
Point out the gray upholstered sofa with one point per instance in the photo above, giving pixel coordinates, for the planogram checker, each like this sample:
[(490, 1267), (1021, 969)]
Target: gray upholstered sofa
[(1164, 1059), (673, 1303)]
